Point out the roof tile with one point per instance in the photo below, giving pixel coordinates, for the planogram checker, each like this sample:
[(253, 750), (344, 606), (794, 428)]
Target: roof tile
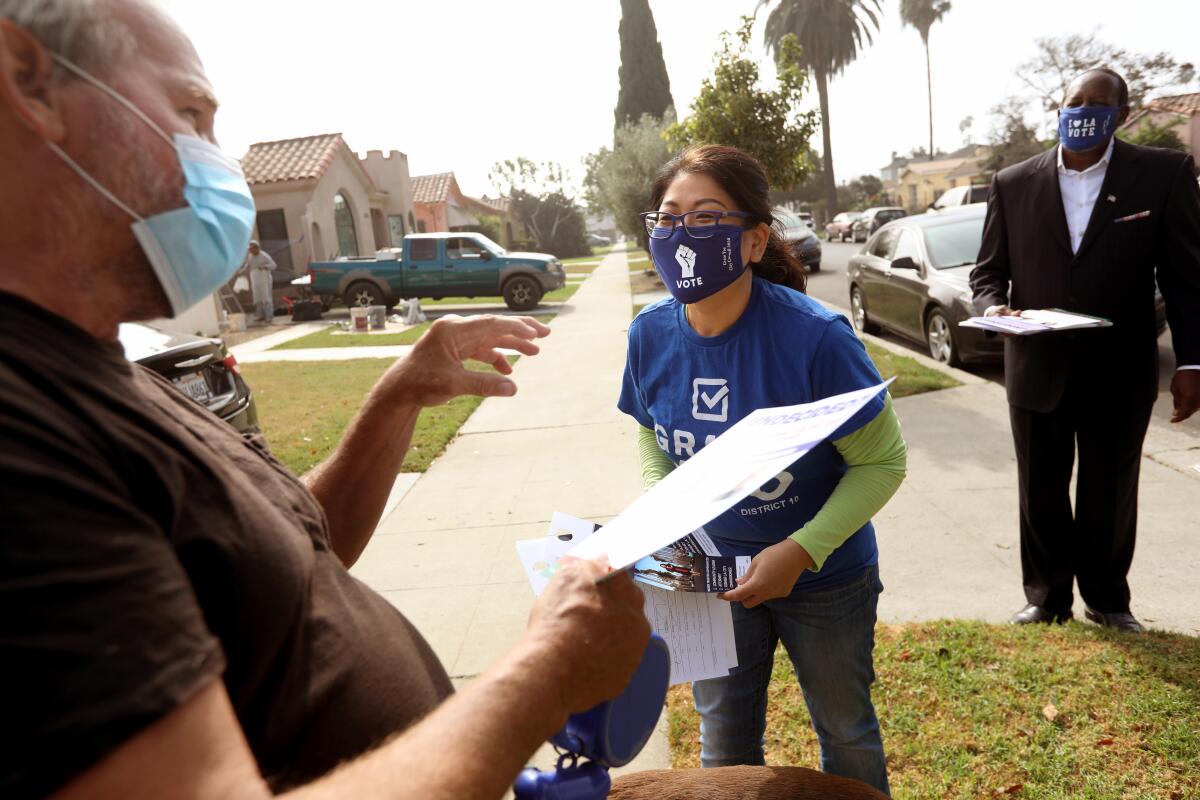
[(290, 159), (432, 188)]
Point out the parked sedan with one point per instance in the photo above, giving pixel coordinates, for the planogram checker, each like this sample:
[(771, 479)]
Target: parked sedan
[(839, 227), (912, 279), (873, 219), (198, 366), (804, 244)]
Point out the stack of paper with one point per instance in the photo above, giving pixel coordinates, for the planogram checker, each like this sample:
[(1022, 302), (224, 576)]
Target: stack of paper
[(1035, 321), (697, 627)]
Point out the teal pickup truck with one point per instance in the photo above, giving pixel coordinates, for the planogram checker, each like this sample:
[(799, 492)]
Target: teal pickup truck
[(433, 265)]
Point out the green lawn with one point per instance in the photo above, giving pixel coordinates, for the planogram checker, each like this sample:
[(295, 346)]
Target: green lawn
[(556, 296), (911, 376), (329, 337), (972, 710), (304, 408)]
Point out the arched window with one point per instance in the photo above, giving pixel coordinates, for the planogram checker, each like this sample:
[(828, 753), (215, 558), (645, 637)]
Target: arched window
[(343, 223)]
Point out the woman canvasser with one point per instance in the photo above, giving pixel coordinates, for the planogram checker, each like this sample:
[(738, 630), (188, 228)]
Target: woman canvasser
[(737, 335)]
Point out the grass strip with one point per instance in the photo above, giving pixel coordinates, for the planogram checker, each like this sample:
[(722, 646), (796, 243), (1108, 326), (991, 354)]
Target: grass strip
[(305, 407), (912, 377), (556, 296), (331, 337), (973, 710)]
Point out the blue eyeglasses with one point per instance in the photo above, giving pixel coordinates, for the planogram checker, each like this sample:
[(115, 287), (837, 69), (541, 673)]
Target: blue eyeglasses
[(698, 224)]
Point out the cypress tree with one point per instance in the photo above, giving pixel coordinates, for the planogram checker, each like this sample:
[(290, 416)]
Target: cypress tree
[(645, 87)]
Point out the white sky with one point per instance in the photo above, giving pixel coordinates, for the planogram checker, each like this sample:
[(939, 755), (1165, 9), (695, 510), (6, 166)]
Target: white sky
[(461, 84)]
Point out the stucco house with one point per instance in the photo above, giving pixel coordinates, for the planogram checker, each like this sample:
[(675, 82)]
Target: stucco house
[(1180, 112), (921, 182), (440, 205), (317, 200)]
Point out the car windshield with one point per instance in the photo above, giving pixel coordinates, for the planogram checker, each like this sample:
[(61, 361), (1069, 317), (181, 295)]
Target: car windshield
[(954, 244), (490, 245)]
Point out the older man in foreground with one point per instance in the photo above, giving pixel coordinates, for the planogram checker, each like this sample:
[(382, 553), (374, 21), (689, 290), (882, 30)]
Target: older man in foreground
[(176, 615)]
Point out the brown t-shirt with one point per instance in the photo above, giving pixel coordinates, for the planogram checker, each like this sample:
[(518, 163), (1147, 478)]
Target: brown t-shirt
[(146, 548)]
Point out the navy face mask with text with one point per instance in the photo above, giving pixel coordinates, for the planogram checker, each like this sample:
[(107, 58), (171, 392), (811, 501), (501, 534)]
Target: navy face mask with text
[(693, 269), (1086, 127)]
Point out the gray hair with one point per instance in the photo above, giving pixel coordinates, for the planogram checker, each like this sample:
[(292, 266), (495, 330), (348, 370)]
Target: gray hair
[(85, 32)]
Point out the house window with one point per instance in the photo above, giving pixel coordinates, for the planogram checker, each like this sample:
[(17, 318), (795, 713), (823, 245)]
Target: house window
[(412, 222), (396, 228), (343, 222), (421, 226)]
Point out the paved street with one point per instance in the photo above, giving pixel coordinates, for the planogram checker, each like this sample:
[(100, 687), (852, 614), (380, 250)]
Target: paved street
[(829, 286)]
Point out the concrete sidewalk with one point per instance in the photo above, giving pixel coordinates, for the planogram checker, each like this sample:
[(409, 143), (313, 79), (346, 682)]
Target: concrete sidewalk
[(445, 555)]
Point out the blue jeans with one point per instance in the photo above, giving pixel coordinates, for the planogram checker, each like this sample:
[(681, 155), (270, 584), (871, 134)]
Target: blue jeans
[(829, 635)]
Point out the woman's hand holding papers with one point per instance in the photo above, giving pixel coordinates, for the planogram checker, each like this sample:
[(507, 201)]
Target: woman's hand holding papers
[(590, 634), (773, 573)]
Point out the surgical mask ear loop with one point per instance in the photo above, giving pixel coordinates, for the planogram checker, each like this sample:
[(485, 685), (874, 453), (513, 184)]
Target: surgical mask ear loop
[(95, 184), (108, 90), (114, 94)]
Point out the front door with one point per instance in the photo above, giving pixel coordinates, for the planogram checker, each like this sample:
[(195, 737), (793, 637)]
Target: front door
[(273, 237), (467, 272)]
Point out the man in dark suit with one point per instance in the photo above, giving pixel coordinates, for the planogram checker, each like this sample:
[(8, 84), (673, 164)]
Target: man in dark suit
[(1084, 227)]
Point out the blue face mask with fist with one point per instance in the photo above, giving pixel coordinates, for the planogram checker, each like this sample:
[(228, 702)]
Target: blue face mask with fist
[(1086, 127), (695, 268)]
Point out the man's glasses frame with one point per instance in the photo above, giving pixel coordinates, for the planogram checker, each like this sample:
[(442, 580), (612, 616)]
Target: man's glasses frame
[(698, 224)]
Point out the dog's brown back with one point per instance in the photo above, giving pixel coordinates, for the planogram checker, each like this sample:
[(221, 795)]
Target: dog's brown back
[(740, 783)]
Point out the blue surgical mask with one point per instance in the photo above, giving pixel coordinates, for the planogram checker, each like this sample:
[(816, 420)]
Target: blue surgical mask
[(196, 249), (1086, 127), (693, 269)]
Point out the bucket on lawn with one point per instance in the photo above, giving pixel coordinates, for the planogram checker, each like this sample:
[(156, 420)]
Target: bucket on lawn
[(358, 318), (377, 318)]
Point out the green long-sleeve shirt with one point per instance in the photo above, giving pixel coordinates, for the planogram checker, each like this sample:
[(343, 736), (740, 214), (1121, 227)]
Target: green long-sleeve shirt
[(876, 457)]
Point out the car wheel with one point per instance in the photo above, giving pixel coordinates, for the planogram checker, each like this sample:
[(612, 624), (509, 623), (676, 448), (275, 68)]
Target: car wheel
[(940, 338), (858, 313), (363, 293), (814, 267), (522, 293)]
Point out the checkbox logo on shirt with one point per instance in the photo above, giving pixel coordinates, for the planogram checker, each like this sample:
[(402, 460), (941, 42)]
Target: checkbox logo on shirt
[(710, 399)]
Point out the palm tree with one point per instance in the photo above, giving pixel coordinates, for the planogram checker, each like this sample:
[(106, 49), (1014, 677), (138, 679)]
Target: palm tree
[(830, 32), (921, 14)]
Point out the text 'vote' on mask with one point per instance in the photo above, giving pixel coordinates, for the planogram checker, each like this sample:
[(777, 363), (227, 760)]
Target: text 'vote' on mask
[(693, 269), (1086, 127)]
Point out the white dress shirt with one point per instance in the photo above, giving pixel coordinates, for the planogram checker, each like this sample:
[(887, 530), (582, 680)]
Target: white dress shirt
[(1080, 191)]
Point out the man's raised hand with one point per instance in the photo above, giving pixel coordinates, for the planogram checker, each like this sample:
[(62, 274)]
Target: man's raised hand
[(434, 372)]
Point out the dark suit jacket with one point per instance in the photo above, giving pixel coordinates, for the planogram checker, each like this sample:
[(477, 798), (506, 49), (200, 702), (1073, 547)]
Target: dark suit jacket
[(1025, 261)]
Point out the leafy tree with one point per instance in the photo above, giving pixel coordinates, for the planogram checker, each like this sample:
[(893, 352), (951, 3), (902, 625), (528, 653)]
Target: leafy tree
[(539, 196), (618, 180), (921, 14), (1059, 60), (1013, 139), (732, 109), (830, 34), (866, 191), (1150, 134), (645, 87)]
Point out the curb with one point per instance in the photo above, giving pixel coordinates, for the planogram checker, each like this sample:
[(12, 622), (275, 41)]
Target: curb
[(962, 376)]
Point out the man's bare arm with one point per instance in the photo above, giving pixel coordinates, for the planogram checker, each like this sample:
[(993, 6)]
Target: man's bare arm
[(583, 644), (353, 484)]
